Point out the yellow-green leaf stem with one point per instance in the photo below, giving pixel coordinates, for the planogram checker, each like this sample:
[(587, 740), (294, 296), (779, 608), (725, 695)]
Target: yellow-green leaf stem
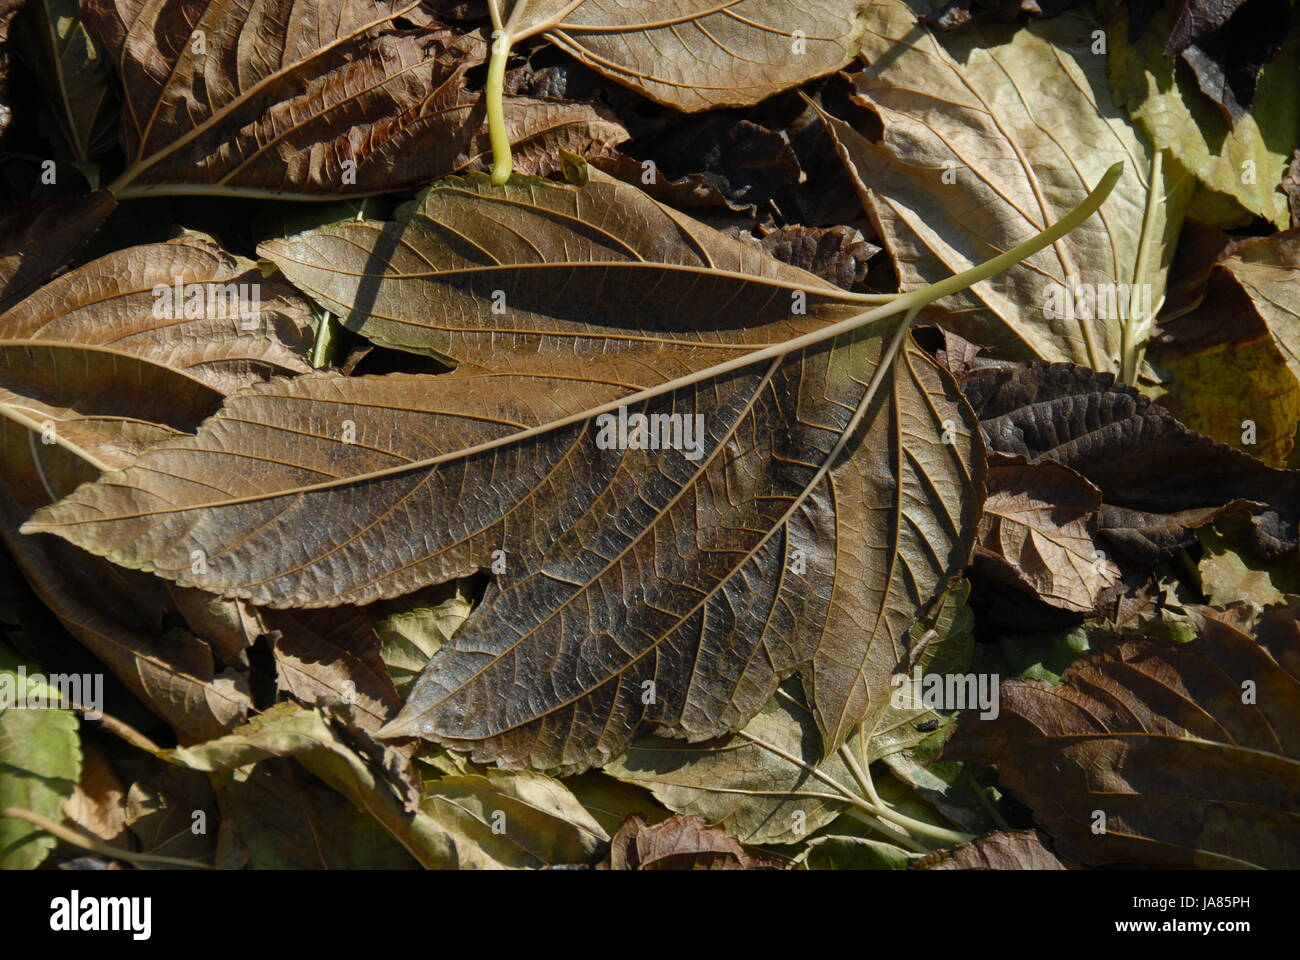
[(494, 95)]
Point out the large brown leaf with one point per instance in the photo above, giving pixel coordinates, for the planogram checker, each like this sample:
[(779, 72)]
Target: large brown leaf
[(286, 98), (1190, 751), (533, 272), (697, 54), (625, 570)]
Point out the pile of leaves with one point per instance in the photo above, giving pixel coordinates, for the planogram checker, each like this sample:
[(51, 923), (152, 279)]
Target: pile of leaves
[(617, 507)]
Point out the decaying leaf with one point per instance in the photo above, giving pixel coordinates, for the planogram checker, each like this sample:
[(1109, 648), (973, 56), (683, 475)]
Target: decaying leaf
[(703, 536), (284, 98), (1111, 435), (1232, 355), (1005, 850), (697, 54), (1238, 166), (450, 826), (1182, 754), (1039, 533), (496, 277), (989, 134), (769, 783), (678, 843)]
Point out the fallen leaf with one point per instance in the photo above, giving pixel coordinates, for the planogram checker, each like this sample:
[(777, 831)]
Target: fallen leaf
[(1187, 750), (1004, 850), (449, 827), (282, 450), (1111, 435), (333, 657), (185, 304), (1039, 534), (1227, 43), (700, 55), (768, 784), (40, 760), (990, 134), (678, 843), (1238, 167), (494, 277), (279, 98)]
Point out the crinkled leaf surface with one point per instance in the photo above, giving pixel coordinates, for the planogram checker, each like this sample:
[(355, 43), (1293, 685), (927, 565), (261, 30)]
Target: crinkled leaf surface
[(498, 277), (286, 98), (1039, 534)]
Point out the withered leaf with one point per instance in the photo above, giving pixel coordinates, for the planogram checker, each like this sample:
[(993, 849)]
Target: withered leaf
[(623, 568), (185, 305), (1111, 435), (495, 277), (697, 54), (1039, 533), (1231, 355), (1005, 850), (284, 98), (678, 843), (448, 824), (1188, 750), (989, 133)]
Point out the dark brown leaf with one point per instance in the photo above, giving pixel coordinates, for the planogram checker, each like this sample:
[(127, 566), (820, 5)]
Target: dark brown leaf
[(285, 98), (1160, 754), (1005, 850), (40, 237), (1134, 451)]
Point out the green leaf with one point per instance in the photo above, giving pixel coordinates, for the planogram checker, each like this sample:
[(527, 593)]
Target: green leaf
[(854, 853), (1238, 167), (40, 761), (452, 824)]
